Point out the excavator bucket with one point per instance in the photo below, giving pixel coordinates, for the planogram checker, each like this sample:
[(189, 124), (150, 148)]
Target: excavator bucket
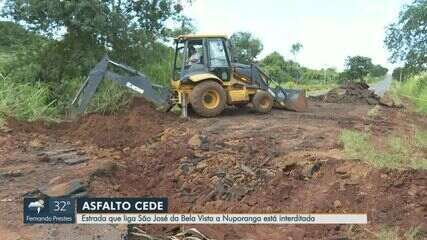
[(290, 99), (134, 80)]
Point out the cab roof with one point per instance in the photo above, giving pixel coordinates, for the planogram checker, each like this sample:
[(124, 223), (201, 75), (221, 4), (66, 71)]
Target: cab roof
[(193, 36)]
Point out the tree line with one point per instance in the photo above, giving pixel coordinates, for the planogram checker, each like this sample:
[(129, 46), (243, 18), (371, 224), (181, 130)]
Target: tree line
[(246, 48), (77, 34), (406, 40)]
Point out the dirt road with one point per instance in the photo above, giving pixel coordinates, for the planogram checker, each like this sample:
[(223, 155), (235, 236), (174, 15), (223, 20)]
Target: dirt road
[(239, 162), (382, 86)]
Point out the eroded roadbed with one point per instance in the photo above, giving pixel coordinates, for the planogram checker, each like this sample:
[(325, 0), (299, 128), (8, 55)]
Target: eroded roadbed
[(241, 162)]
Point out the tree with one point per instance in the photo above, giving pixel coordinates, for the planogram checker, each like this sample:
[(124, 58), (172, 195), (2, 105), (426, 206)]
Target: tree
[(83, 31), (13, 36), (400, 74), (358, 67), (274, 65), (280, 69), (378, 71), (245, 47), (295, 49), (186, 26), (406, 39)]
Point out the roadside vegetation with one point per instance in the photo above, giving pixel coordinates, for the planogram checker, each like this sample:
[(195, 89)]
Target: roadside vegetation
[(42, 67), (392, 233), (413, 89), (397, 151), (26, 101)]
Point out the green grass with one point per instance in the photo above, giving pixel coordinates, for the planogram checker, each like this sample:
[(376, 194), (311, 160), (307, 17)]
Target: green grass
[(387, 233), (42, 101), (110, 98), (390, 233), (2, 121), (397, 152), (414, 88), (421, 139), (26, 101), (373, 112)]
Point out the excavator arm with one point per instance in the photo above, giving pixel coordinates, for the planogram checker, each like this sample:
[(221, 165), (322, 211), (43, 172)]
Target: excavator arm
[(158, 95)]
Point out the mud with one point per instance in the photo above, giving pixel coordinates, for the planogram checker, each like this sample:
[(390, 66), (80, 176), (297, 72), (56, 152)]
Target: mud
[(283, 162)]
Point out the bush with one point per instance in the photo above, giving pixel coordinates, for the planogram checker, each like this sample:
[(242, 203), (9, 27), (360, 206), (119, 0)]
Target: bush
[(159, 73), (45, 101), (109, 98), (415, 88), (26, 101)]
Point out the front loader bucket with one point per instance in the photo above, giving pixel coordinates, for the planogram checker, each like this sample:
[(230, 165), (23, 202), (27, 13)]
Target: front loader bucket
[(290, 99)]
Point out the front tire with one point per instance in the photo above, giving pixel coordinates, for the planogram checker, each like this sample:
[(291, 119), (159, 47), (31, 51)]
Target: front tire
[(208, 99), (262, 102)]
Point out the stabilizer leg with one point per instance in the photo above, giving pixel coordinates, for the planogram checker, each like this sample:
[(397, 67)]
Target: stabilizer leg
[(184, 109)]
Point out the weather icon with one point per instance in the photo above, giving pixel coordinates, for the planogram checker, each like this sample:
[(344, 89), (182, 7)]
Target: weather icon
[(36, 205)]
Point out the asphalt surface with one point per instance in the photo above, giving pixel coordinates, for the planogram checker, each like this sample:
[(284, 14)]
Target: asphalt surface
[(382, 86)]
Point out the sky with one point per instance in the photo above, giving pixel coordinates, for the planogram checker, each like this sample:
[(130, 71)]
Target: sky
[(329, 30)]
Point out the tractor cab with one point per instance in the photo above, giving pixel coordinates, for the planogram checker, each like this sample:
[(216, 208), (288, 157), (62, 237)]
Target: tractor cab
[(198, 54)]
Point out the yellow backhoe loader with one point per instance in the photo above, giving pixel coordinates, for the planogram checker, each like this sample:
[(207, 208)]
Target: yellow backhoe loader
[(204, 78)]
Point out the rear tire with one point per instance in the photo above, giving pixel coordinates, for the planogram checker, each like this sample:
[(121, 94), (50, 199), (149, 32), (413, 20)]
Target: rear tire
[(262, 102), (208, 99)]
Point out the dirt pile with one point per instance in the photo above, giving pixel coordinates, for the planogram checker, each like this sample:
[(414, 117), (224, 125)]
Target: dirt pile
[(140, 123), (351, 93), (130, 128)]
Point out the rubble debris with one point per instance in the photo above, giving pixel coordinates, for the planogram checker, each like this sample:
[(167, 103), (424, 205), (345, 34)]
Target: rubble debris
[(337, 204), (5, 129), (179, 234), (388, 101), (310, 169), (73, 161), (247, 169), (240, 173), (105, 168), (36, 143), (69, 156), (341, 170), (197, 141), (73, 188), (11, 173), (351, 92)]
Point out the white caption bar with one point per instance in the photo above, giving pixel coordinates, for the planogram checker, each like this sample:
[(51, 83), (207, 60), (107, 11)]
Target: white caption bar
[(177, 218)]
